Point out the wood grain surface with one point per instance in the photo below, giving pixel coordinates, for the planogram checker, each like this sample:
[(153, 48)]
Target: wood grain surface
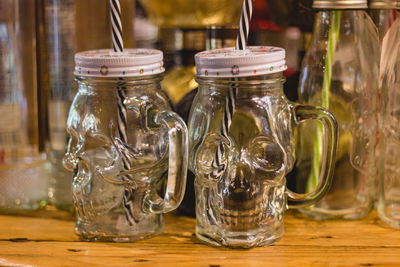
[(48, 240)]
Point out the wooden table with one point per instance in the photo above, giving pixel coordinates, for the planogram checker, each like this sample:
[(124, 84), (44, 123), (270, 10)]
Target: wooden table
[(48, 240)]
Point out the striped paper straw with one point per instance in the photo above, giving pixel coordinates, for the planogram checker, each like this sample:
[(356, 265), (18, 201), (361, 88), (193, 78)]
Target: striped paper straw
[(116, 28), (244, 25), (326, 89), (118, 46), (230, 102)]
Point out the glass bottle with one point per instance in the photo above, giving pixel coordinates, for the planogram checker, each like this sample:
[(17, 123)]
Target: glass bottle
[(23, 179), (340, 73), (389, 175), (61, 47), (383, 13)]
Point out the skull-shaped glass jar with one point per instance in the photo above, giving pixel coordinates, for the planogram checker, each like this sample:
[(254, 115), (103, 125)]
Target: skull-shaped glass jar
[(241, 138), (124, 140)]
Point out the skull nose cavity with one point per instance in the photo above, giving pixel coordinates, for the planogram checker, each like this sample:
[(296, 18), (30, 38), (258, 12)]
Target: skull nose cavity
[(240, 171), (240, 185), (242, 203)]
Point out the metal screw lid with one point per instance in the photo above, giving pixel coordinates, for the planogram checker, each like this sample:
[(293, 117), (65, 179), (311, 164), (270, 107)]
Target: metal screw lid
[(130, 63), (340, 4), (383, 4), (229, 62)]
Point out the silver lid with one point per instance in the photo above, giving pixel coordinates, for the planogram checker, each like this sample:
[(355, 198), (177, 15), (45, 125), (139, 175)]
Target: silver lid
[(340, 4), (383, 4)]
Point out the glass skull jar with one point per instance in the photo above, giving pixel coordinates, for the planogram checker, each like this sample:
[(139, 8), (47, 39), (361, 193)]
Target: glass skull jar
[(241, 138), (124, 140)]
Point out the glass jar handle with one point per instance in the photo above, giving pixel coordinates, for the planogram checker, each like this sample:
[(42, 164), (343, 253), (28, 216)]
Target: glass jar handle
[(177, 164), (307, 112)]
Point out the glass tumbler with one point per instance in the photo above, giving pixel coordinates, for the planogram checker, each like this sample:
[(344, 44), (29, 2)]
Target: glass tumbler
[(124, 142), (241, 135)]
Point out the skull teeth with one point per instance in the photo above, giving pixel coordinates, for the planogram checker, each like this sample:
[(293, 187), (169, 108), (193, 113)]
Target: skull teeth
[(252, 214), (244, 219)]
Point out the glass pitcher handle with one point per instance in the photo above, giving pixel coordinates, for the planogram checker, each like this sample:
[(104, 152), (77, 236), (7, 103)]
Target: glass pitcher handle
[(307, 112), (177, 164)]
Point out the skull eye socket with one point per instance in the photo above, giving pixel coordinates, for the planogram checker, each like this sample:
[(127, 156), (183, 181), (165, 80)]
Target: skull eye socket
[(267, 154), (95, 141), (212, 155)]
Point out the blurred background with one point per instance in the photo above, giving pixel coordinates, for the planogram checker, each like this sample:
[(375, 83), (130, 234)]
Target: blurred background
[(38, 40), (182, 28)]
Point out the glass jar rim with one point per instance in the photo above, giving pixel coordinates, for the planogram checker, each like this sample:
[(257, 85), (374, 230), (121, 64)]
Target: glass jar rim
[(133, 80), (258, 80)]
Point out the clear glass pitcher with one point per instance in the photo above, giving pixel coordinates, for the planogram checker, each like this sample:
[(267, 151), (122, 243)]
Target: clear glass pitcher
[(241, 135), (124, 141)]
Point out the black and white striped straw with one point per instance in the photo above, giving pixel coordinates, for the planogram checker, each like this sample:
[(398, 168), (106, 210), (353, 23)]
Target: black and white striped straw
[(244, 25), (118, 46), (116, 28), (230, 102)]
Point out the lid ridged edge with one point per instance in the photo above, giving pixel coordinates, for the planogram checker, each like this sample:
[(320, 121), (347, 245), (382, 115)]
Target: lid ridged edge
[(383, 4), (340, 4), (230, 63), (130, 63)]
